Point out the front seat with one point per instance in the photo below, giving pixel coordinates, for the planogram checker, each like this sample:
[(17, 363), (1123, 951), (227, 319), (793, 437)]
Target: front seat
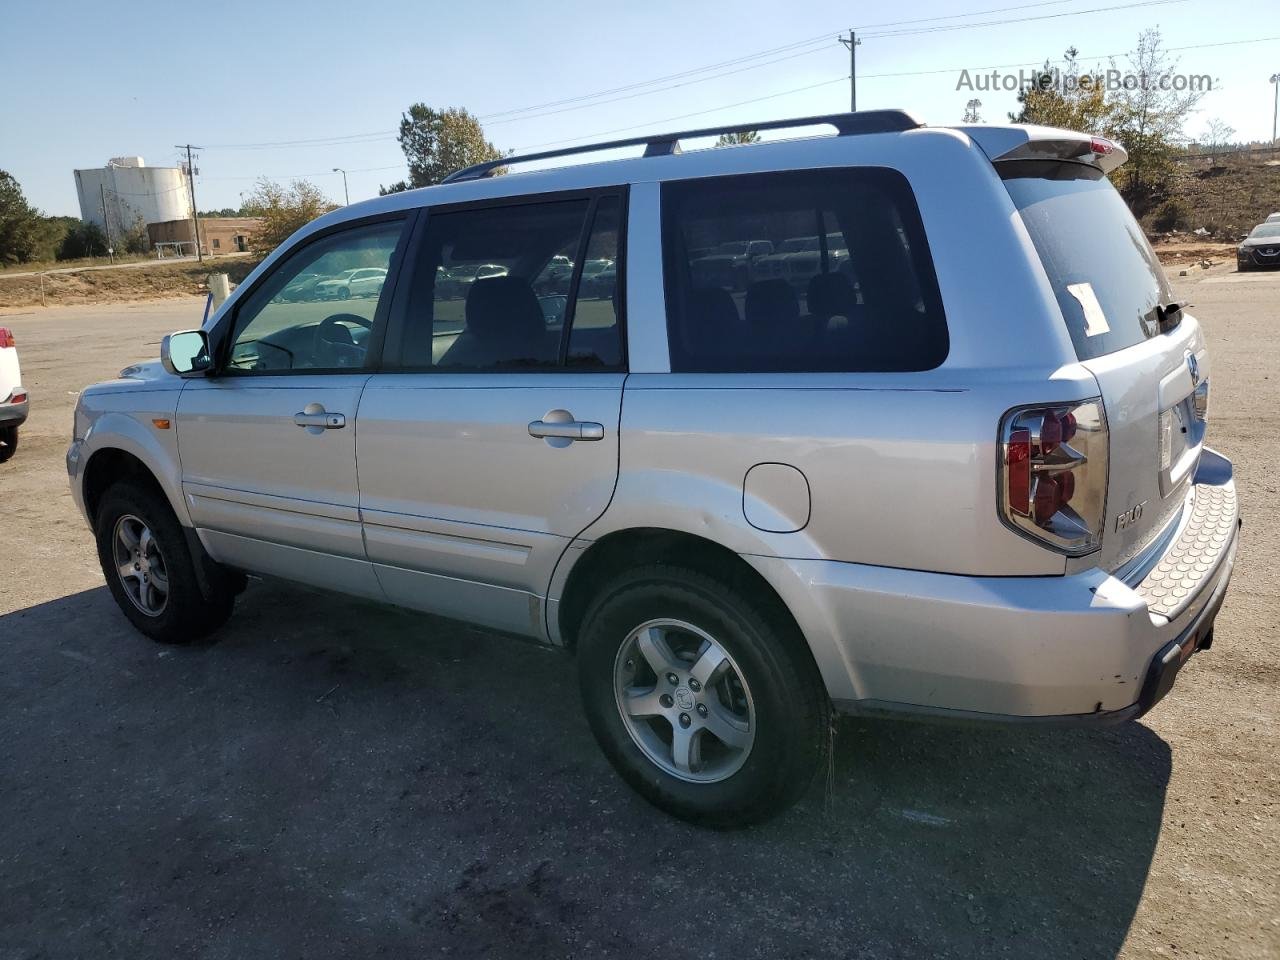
[(505, 327)]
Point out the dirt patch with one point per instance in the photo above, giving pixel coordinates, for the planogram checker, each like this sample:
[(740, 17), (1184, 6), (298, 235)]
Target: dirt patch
[(1184, 252), (123, 284)]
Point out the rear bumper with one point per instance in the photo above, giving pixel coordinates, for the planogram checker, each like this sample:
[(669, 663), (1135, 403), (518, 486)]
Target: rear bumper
[(14, 414), (1090, 647)]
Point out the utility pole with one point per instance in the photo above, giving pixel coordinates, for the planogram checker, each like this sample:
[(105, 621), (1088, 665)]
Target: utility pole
[(106, 222), (345, 195), (1275, 110), (191, 182), (852, 43)]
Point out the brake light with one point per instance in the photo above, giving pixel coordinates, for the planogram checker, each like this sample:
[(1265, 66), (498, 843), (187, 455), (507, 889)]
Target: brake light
[(1053, 474), (1101, 146), (6, 338), (18, 397)]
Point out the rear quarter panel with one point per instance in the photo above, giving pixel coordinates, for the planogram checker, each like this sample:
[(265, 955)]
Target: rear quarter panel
[(901, 467)]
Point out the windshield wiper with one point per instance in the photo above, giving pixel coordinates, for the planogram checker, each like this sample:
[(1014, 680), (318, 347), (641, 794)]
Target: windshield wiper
[(1169, 315)]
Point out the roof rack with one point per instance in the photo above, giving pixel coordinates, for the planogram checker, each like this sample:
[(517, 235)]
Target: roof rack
[(664, 144)]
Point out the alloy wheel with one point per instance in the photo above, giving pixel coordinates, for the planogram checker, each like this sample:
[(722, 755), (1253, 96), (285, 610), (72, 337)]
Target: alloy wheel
[(684, 701), (140, 565)]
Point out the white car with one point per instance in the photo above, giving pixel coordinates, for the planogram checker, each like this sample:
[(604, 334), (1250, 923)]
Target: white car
[(13, 396), (361, 282), (974, 484)]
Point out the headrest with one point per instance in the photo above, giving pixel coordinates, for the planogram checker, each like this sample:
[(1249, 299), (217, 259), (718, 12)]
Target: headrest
[(504, 307), (831, 294), (771, 305)]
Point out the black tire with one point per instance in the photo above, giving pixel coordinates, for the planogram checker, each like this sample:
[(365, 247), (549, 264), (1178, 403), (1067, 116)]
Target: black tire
[(344, 293), (1242, 267), (8, 443), (791, 707), (188, 615)]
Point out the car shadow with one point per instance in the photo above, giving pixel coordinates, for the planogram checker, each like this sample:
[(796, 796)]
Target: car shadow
[(333, 778)]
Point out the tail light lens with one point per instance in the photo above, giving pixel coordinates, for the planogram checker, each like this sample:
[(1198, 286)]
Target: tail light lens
[(6, 338), (1053, 474)]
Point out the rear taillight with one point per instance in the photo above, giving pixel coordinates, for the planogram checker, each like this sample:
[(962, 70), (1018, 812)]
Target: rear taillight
[(6, 338), (1053, 474), (18, 396)]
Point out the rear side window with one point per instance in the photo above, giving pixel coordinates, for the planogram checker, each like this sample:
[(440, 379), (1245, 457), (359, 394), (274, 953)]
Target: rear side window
[(806, 271), (1104, 274)]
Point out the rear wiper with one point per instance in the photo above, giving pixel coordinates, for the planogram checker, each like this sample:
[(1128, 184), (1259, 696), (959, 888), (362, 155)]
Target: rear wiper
[(1169, 315)]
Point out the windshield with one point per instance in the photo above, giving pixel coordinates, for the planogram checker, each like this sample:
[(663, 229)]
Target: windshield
[(1265, 230), (1103, 272)]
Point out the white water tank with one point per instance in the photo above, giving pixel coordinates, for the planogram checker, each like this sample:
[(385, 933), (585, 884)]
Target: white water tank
[(132, 193)]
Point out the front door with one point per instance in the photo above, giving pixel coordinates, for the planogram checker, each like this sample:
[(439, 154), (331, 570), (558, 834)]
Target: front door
[(496, 441), (268, 443)]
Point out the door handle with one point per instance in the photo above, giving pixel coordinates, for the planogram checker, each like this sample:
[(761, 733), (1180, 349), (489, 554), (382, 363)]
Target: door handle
[(321, 420), (568, 430)]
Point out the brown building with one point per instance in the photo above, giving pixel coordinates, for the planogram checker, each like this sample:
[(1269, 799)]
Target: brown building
[(217, 234)]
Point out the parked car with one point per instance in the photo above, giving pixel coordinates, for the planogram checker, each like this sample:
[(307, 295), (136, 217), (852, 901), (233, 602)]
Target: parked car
[(730, 266), (554, 277), (13, 395), (301, 288), (599, 279), (453, 282), (360, 282), (1260, 248), (985, 494)]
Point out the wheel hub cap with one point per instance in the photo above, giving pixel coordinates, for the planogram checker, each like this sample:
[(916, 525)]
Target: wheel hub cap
[(684, 701), (140, 565)]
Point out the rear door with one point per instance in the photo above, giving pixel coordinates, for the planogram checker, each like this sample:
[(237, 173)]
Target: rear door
[(1151, 367), (493, 440)]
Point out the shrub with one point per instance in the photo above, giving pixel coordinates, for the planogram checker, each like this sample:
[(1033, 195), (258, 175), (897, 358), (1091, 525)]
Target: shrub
[(1173, 214)]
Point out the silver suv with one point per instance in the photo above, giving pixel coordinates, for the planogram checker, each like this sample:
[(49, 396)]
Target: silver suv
[(959, 471)]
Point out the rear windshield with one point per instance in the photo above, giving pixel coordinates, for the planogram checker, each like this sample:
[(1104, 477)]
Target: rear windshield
[(1104, 273)]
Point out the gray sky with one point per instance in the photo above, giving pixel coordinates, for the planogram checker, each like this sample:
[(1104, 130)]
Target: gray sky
[(85, 82)]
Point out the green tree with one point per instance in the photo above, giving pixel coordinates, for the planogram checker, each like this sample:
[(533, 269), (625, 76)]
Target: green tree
[(283, 210), (86, 239), (135, 239), (1065, 98), (18, 223), (49, 233), (734, 139), (1146, 113), (1149, 118), (438, 142)]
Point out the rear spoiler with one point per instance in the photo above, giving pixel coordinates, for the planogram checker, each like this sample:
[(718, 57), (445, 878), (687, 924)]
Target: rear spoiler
[(1018, 142)]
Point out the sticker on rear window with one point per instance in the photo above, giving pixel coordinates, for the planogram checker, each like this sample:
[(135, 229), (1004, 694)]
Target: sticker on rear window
[(1095, 321)]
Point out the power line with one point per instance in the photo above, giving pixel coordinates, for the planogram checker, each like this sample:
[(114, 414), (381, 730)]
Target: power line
[(742, 63), (684, 116), (944, 28), (867, 76), (873, 76)]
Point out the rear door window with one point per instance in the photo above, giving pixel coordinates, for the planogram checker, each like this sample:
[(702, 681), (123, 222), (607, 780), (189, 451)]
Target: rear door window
[(1104, 274), (505, 288), (804, 271)]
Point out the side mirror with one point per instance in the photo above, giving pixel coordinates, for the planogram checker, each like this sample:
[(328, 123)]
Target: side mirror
[(186, 354)]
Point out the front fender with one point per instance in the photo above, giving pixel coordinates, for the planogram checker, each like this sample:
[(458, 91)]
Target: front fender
[(127, 422)]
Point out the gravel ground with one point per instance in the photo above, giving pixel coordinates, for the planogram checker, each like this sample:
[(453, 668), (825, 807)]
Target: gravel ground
[(338, 779)]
